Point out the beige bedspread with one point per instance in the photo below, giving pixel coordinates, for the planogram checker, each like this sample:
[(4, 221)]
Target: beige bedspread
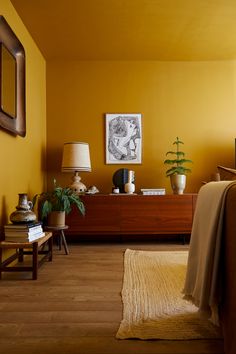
[(203, 279)]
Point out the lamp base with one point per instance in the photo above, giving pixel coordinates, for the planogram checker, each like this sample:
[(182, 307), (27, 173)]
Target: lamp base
[(77, 186)]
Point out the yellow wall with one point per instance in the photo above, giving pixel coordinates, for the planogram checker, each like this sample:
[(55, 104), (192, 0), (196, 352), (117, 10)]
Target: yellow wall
[(193, 100), (22, 160)]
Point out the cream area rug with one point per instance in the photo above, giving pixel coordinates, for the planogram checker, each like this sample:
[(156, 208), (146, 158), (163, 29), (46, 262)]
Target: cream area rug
[(153, 303)]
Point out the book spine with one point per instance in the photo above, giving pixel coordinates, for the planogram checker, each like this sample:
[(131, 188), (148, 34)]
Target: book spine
[(154, 193), (23, 226), (24, 239), (23, 232)]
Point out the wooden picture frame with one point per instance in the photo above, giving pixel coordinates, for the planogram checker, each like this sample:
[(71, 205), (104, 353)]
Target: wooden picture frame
[(12, 120), (123, 138)]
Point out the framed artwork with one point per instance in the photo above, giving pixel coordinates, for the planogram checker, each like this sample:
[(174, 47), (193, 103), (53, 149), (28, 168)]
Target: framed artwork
[(123, 138), (12, 81)]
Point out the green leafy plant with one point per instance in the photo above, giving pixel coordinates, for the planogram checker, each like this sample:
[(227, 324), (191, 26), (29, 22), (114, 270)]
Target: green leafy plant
[(59, 199), (178, 162)]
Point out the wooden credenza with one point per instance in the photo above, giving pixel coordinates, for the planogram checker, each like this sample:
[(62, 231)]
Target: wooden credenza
[(133, 215)]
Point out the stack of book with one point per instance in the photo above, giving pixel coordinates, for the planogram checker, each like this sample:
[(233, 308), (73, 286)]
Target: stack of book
[(153, 191), (23, 232)]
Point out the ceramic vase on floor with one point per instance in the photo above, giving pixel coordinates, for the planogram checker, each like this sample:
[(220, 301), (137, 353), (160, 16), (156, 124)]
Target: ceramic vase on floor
[(178, 183)]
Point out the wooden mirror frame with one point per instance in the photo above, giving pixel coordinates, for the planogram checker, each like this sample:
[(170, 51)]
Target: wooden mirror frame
[(17, 124)]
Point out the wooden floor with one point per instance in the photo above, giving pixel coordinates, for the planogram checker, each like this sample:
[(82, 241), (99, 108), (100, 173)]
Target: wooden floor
[(75, 307)]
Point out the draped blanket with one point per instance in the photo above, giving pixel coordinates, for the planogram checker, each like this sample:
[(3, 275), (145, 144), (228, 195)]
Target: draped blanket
[(203, 278)]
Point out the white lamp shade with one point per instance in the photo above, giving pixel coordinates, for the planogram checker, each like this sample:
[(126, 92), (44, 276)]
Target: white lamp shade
[(76, 157)]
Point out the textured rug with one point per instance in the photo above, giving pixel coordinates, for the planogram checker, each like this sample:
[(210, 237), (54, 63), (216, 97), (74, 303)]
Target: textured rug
[(153, 304)]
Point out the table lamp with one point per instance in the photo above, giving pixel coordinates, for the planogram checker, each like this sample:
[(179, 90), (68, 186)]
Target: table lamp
[(76, 158)]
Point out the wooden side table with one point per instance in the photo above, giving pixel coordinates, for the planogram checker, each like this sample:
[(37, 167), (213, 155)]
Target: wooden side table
[(26, 248), (62, 239)]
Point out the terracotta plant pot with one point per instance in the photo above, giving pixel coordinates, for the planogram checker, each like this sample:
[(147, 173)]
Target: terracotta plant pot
[(56, 218)]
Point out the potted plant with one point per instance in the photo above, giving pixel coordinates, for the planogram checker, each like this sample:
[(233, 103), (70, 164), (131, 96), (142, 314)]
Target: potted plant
[(54, 205), (178, 170)]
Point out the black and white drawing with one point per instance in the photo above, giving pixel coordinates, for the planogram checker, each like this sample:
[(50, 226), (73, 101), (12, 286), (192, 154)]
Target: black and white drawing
[(123, 138)]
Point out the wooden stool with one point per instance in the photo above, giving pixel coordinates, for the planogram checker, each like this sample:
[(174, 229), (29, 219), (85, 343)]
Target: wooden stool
[(62, 238)]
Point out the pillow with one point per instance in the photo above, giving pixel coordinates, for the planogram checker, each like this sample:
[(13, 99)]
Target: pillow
[(226, 174)]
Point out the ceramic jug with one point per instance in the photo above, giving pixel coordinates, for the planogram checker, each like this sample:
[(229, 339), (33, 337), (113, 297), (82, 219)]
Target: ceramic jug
[(23, 212)]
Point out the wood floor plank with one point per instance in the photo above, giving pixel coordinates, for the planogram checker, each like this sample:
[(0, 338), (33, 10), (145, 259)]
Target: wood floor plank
[(65, 329), (60, 316), (104, 345), (29, 306)]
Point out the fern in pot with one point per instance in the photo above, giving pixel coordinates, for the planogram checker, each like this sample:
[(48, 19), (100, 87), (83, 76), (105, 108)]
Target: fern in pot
[(54, 205), (177, 172)]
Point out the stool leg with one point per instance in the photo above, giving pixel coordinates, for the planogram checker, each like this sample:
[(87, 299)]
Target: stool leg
[(59, 241), (64, 242)]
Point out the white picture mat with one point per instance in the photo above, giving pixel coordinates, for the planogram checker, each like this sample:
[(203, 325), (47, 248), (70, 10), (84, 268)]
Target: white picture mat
[(123, 138)]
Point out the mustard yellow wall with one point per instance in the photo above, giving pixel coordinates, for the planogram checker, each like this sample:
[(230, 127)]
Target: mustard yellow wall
[(195, 101), (22, 160)]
